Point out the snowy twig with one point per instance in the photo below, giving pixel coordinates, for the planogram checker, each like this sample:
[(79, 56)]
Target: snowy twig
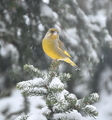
[(58, 100), (34, 71)]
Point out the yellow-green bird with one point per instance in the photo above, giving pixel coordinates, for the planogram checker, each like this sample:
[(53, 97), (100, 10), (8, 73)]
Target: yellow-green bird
[(55, 49)]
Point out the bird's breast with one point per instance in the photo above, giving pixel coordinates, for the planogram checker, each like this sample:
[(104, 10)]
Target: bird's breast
[(51, 49), (48, 46)]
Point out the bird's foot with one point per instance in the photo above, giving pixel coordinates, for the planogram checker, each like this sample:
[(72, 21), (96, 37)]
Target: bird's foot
[(54, 60), (55, 63)]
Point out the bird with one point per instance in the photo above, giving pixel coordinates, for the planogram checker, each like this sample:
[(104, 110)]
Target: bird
[(56, 49)]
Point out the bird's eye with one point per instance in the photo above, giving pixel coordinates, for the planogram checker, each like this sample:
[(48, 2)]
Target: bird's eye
[(52, 31)]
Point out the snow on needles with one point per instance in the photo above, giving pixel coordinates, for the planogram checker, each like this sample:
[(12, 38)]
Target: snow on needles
[(33, 87), (69, 116), (56, 83), (34, 82)]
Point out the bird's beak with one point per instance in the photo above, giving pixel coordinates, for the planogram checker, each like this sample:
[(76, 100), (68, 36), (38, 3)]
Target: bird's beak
[(55, 33)]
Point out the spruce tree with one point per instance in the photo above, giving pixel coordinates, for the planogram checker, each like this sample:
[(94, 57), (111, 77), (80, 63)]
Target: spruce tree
[(60, 104)]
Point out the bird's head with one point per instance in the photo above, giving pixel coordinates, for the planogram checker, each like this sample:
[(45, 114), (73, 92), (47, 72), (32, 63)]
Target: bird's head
[(52, 33)]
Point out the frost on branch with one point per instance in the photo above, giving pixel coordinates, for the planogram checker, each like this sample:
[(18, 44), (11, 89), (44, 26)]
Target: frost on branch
[(23, 117), (34, 71), (60, 104), (84, 104), (33, 87)]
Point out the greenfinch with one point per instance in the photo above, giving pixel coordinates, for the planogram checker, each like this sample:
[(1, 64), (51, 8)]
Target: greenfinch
[(55, 49)]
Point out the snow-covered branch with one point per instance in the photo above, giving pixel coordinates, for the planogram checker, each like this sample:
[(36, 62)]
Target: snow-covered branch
[(58, 100)]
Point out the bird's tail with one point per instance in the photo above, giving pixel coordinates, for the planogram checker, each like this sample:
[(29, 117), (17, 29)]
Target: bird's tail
[(72, 63)]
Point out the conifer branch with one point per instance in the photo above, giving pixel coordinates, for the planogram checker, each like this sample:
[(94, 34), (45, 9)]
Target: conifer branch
[(53, 70), (84, 104), (92, 98), (58, 100), (54, 66), (65, 77), (91, 110), (34, 71)]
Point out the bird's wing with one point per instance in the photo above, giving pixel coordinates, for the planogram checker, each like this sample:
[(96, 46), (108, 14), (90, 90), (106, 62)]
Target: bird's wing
[(62, 48)]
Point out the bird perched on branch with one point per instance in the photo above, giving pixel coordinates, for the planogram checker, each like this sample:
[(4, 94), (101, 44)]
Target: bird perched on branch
[(55, 49)]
